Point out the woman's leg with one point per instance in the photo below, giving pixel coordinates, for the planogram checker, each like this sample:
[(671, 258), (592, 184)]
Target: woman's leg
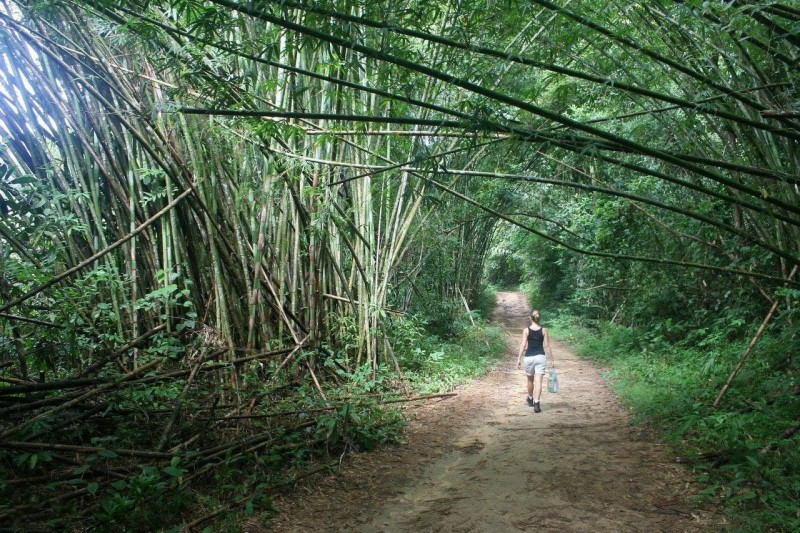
[(537, 387), (530, 386)]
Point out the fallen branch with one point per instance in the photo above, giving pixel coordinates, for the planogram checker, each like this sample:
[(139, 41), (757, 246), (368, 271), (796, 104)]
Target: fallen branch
[(469, 314), (319, 409), (78, 380), (66, 423), (291, 354), (45, 504), (779, 113), (426, 397), (213, 366), (19, 445), (314, 377), (266, 415), (14, 381), (119, 351), (89, 394), (22, 404), (50, 385)]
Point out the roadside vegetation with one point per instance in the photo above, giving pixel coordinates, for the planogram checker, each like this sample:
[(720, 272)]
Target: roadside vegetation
[(290, 430), (743, 452)]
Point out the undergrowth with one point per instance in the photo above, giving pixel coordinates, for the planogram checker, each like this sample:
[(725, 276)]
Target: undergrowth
[(278, 430), (745, 452), (435, 365)]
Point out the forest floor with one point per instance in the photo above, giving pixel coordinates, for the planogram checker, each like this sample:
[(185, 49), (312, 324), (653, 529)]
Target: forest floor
[(484, 461)]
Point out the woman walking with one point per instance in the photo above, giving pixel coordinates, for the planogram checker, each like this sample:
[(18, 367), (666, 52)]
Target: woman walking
[(535, 345)]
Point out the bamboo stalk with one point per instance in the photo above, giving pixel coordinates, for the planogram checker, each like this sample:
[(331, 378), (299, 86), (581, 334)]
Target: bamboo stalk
[(165, 434), (505, 99), (424, 397), (752, 344), (30, 320), (396, 365), (505, 56), (95, 257), (316, 381), (291, 354)]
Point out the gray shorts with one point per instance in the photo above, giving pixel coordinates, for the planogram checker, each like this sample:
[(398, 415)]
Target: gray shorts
[(535, 364)]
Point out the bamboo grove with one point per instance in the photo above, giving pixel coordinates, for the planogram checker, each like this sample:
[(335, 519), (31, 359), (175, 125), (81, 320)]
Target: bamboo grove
[(237, 200)]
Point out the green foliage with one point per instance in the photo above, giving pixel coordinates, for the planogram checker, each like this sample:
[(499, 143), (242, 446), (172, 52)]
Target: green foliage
[(440, 316), (744, 452), (486, 302), (505, 268), (434, 365), (129, 503), (360, 424)]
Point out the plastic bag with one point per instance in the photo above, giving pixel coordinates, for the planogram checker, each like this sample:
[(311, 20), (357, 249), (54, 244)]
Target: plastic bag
[(552, 381)]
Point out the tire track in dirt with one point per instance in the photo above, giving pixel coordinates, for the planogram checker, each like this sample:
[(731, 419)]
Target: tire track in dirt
[(484, 461)]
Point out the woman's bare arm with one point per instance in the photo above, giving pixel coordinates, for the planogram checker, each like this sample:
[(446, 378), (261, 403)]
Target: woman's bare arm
[(523, 345)]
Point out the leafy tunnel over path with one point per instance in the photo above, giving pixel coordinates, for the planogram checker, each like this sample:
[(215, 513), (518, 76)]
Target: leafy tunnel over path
[(209, 208)]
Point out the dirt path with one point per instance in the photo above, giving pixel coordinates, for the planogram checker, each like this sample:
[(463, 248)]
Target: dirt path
[(484, 461)]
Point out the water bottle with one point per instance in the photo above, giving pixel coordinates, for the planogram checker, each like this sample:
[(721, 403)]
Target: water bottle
[(552, 382)]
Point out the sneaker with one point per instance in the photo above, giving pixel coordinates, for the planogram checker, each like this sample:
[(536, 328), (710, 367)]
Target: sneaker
[(537, 408), (530, 402)]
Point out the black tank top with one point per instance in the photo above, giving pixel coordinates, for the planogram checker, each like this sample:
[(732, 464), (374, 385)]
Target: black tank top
[(535, 342)]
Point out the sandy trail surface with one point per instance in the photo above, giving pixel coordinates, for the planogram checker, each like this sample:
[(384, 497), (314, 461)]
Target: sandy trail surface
[(484, 461)]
